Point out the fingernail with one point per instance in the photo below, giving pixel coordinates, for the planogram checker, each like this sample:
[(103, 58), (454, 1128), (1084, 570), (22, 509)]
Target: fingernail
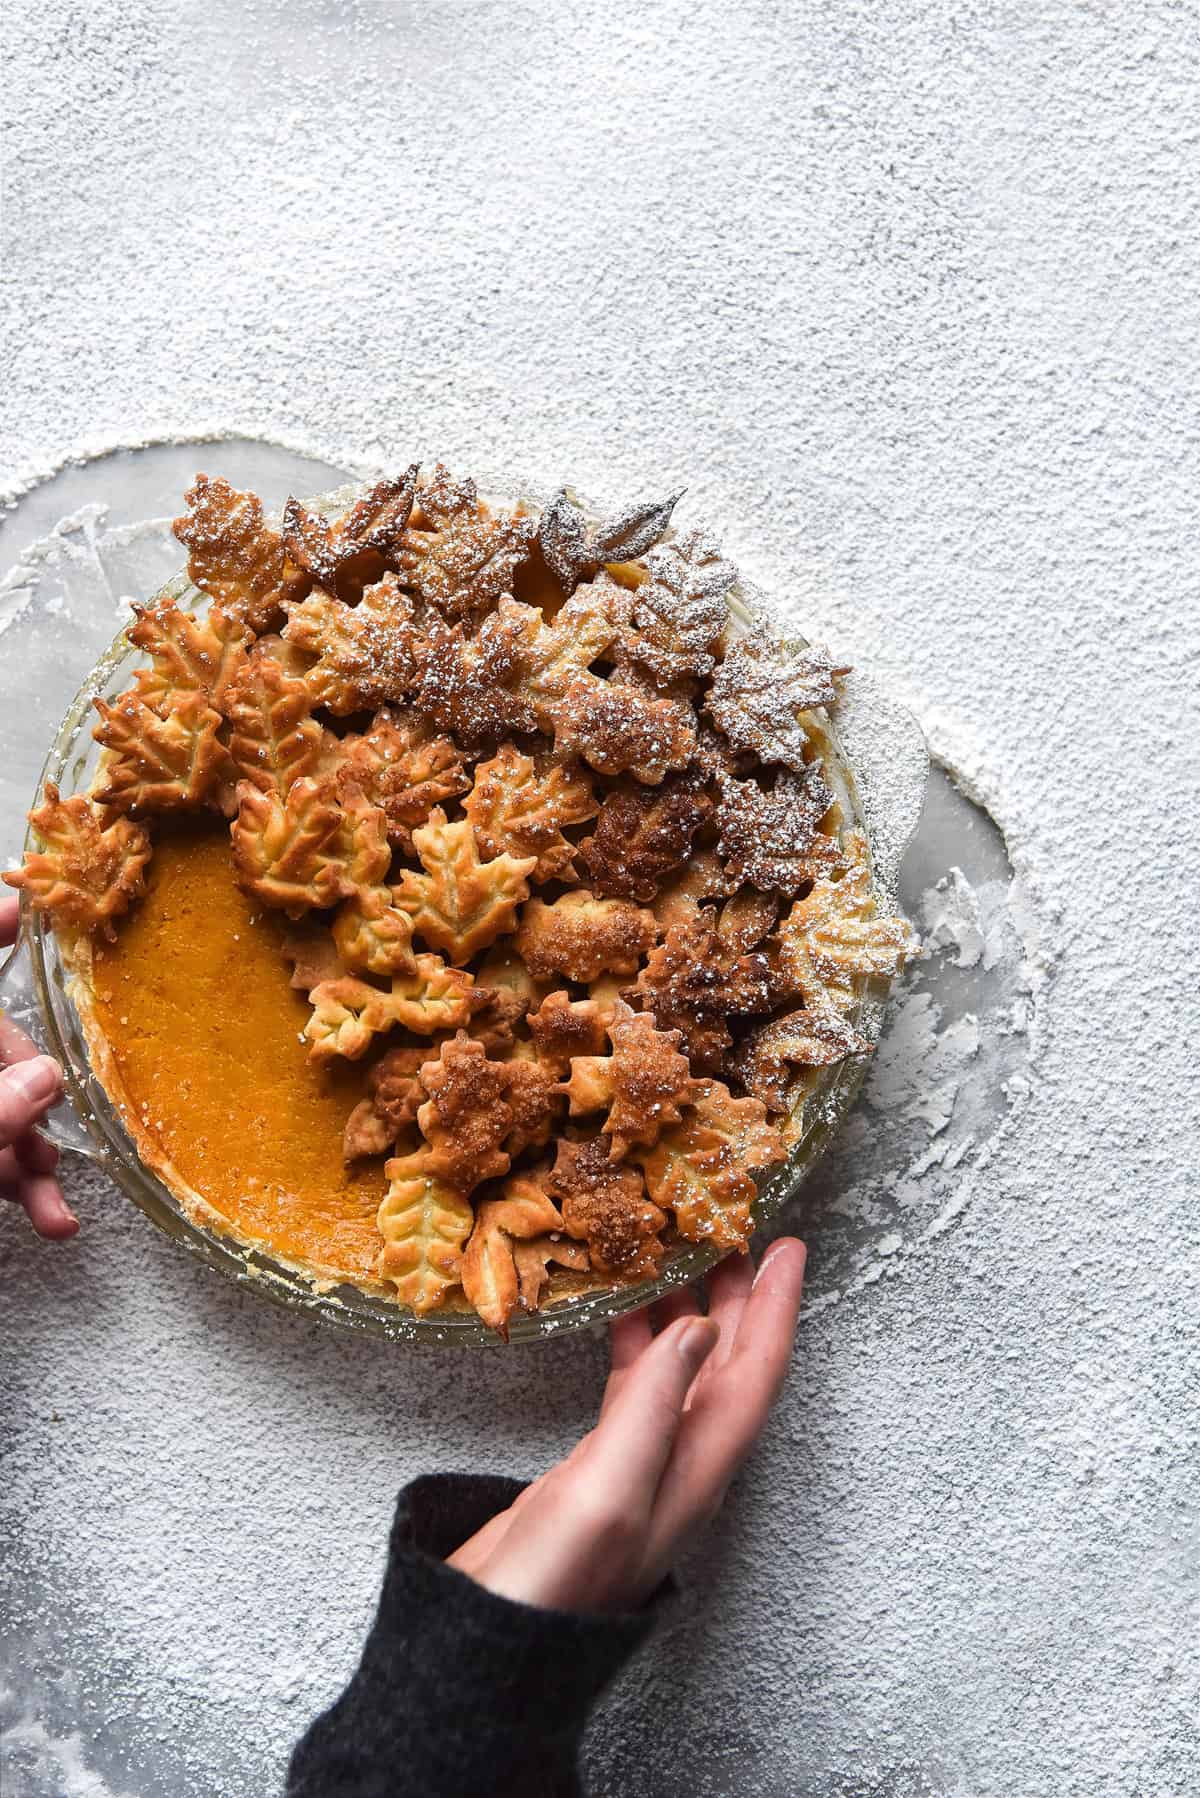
[(697, 1340), (37, 1080)]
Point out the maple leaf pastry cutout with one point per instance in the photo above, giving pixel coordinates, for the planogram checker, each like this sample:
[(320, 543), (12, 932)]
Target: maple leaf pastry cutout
[(644, 834), (520, 807), (348, 1012), (234, 555), (623, 729), (306, 849), (405, 769), (469, 684), (761, 690), (702, 879), (187, 654), (87, 871), (573, 547), (562, 1028), (365, 655), (372, 935), (274, 740), (313, 954), (583, 937), (460, 903), (533, 1092), (466, 1114), (700, 1169), (644, 1083), (682, 610), (344, 554), (804, 1039), (554, 654), (160, 760), (464, 559), (697, 979), (513, 1240), (605, 1204), (394, 1096), (424, 1223), (834, 940), (772, 840)]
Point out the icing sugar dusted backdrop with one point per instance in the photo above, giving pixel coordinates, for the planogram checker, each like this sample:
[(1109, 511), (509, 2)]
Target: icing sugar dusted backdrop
[(906, 296)]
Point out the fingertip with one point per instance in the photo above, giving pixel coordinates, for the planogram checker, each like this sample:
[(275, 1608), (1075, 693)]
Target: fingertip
[(695, 1340), (47, 1210), (787, 1256)]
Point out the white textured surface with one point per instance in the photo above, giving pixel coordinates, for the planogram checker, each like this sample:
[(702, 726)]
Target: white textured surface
[(907, 294)]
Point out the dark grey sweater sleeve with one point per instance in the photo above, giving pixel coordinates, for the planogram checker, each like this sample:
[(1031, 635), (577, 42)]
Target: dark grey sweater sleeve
[(460, 1693)]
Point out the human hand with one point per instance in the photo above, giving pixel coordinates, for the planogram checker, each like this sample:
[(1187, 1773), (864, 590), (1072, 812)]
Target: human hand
[(29, 1085), (682, 1410)]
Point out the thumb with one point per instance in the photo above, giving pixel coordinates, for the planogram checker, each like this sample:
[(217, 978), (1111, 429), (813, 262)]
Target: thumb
[(27, 1091)]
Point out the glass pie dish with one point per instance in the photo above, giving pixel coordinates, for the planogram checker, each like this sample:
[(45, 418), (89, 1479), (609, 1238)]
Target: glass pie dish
[(875, 764)]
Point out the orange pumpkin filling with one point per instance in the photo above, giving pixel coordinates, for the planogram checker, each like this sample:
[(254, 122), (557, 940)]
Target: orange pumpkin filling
[(194, 1000)]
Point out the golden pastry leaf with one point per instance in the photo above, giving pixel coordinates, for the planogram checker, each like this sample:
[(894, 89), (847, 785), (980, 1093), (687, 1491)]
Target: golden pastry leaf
[(573, 547), (834, 939), (337, 554), (469, 684), (424, 1223), (532, 1260), (273, 737), (306, 849), (348, 1012), (466, 560), (703, 878), (394, 1096), (771, 839), (747, 918), (372, 935), (187, 654), (520, 808), (490, 1277), (234, 555), (644, 1083), (87, 872), (696, 979), (803, 1039), (605, 1204), (683, 608), (366, 654), (700, 1168), (405, 769), (554, 654), (164, 760), (466, 1115), (312, 953), (583, 937), (460, 903), (644, 834), (533, 1094), (759, 692), (620, 729), (562, 1028)]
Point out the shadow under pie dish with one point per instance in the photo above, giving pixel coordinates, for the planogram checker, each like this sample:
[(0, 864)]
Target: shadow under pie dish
[(462, 920)]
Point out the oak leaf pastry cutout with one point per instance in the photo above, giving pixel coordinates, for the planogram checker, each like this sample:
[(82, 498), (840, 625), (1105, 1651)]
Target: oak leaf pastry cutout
[(700, 1168), (401, 766), (465, 561), (365, 655), (394, 1096), (274, 740), (605, 1204), (805, 1039), (583, 937), (553, 655), (306, 850), (520, 808), (682, 610), (562, 1028), (372, 935), (337, 555), (165, 760), (696, 979), (87, 871), (496, 1277), (772, 839), (834, 939), (468, 684), (760, 691), (466, 1115), (573, 547), (644, 1083), (349, 1012), (644, 834), (460, 903), (187, 654), (620, 729), (234, 555), (424, 1224)]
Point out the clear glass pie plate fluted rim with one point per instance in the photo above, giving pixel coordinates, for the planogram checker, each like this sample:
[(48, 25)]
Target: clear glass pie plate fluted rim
[(70, 763)]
